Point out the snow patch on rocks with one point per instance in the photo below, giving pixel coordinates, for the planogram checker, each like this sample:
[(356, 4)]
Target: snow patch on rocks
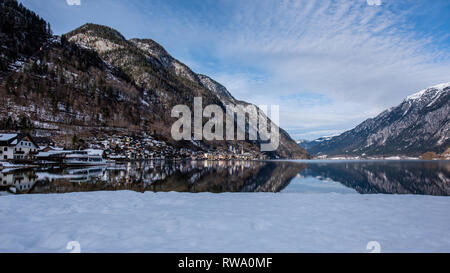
[(436, 88)]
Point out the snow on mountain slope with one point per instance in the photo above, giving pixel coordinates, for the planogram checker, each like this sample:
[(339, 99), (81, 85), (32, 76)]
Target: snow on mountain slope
[(157, 51), (217, 88), (308, 144), (431, 91)]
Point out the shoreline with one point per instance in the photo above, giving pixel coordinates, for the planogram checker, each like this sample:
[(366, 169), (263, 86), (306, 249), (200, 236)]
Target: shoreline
[(11, 166)]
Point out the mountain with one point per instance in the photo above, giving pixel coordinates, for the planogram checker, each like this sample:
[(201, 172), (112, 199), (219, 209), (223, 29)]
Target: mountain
[(94, 82), (309, 144), (420, 124)]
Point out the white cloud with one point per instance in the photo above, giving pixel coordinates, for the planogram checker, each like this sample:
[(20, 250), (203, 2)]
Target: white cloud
[(73, 2), (374, 2)]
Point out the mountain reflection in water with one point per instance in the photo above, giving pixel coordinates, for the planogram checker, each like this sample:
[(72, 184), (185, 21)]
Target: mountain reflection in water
[(386, 177), (364, 177)]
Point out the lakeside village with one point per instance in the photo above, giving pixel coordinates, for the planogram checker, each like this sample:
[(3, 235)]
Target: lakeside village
[(21, 149)]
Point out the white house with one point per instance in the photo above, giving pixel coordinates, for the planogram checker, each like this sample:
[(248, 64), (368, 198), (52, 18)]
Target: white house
[(17, 147)]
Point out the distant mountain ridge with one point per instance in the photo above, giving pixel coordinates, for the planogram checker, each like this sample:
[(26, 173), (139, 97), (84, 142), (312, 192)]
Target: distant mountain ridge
[(309, 144), (420, 124)]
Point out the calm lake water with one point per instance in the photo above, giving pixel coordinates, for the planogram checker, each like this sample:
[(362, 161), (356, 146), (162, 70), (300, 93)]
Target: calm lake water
[(347, 177)]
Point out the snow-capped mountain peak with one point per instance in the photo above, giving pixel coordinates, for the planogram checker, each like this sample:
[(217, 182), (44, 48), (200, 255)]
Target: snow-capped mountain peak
[(431, 90)]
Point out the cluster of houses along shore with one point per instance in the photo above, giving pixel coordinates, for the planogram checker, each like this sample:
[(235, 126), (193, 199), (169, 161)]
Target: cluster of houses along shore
[(22, 147)]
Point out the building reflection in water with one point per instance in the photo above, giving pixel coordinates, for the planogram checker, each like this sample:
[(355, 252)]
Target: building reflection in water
[(181, 176), (18, 181)]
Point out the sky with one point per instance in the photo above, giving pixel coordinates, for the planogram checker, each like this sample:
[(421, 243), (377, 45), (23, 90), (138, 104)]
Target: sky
[(328, 64)]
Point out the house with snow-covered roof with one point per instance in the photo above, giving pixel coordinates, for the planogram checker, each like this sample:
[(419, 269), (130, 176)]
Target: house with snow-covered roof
[(15, 146)]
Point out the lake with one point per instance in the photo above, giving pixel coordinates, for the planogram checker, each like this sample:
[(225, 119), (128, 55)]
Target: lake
[(309, 177)]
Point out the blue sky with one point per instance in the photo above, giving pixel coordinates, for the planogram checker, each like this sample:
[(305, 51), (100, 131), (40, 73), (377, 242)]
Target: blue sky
[(329, 64)]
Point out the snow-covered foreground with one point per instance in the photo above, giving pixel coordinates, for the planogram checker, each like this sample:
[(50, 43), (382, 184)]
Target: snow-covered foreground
[(177, 222)]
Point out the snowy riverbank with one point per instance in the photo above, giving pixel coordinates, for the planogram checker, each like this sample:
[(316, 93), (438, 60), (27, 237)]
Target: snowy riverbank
[(177, 222)]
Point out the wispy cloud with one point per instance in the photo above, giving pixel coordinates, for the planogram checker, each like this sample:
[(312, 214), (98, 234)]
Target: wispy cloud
[(73, 2)]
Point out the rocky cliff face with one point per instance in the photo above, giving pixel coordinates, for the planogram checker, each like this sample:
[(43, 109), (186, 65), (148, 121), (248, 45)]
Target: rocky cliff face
[(93, 81), (419, 124)]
